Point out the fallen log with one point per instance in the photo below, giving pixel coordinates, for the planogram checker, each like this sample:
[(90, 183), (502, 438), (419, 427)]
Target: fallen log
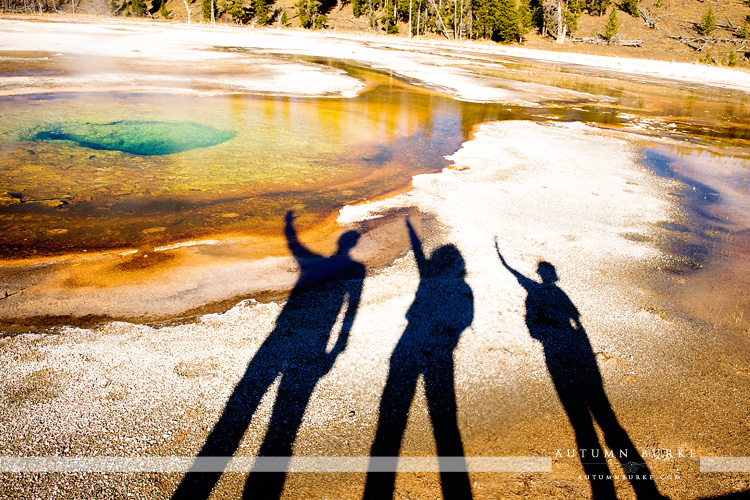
[(600, 40), (704, 39), (649, 22)]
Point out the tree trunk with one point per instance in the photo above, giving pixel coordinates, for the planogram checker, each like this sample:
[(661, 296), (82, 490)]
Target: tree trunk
[(461, 21), (455, 15), (561, 27), (410, 2), (441, 24), (187, 9), (419, 17)]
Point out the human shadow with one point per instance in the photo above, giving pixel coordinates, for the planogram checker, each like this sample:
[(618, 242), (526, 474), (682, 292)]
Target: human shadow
[(296, 351), (442, 309), (554, 320)]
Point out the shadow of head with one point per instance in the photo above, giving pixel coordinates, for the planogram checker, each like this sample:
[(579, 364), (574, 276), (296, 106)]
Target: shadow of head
[(447, 261), (547, 272), (347, 241)]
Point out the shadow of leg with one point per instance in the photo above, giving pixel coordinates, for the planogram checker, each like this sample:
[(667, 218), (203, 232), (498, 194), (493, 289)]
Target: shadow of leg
[(294, 393), (394, 410), (441, 402), (229, 430), (595, 467), (617, 439)]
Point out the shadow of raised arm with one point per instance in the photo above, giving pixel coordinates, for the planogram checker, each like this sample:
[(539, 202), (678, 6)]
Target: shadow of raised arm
[(298, 249), (416, 245), (525, 282)]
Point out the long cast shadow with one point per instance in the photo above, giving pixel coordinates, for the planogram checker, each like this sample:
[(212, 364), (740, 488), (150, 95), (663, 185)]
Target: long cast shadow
[(553, 320), (442, 309), (295, 351)]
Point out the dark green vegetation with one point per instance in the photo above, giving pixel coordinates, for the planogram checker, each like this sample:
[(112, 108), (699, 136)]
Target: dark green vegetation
[(708, 23), (613, 24), (143, 138)]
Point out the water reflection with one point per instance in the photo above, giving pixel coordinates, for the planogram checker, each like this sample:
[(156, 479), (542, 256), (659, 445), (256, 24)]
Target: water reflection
[(717, 188), (316, 154), (711, 245), (313, 153)]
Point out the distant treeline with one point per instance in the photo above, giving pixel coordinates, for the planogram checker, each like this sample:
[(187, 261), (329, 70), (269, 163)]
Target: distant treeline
[(503, 21), (500, 20)]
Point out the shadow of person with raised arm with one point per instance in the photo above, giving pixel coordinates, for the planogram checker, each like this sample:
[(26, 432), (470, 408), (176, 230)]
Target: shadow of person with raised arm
[(553, 320), (442, 309), (296, 351)]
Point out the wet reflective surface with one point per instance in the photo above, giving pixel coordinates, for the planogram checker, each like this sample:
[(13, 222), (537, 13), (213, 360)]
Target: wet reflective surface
[(86, 171), (148, 174), (270, 153), (711, 277), (640, 103)]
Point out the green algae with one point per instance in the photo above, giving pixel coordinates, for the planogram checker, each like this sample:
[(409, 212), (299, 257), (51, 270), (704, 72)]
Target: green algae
[(144, 138)]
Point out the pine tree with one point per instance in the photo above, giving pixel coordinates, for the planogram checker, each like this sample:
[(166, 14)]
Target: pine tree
[(165, 13), (506, 30), (744, 31), (206, 9), (495, 19), (389, 18), (525, 17), (630, 6), (613, 24), (138, 8), (308, 12), (237, 11), (732, 59), (708, 23), (482, 11), (357, 8), (310, 15), (576, 6), (260, 8), (559, 18), (571, 20), (598, 7)]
